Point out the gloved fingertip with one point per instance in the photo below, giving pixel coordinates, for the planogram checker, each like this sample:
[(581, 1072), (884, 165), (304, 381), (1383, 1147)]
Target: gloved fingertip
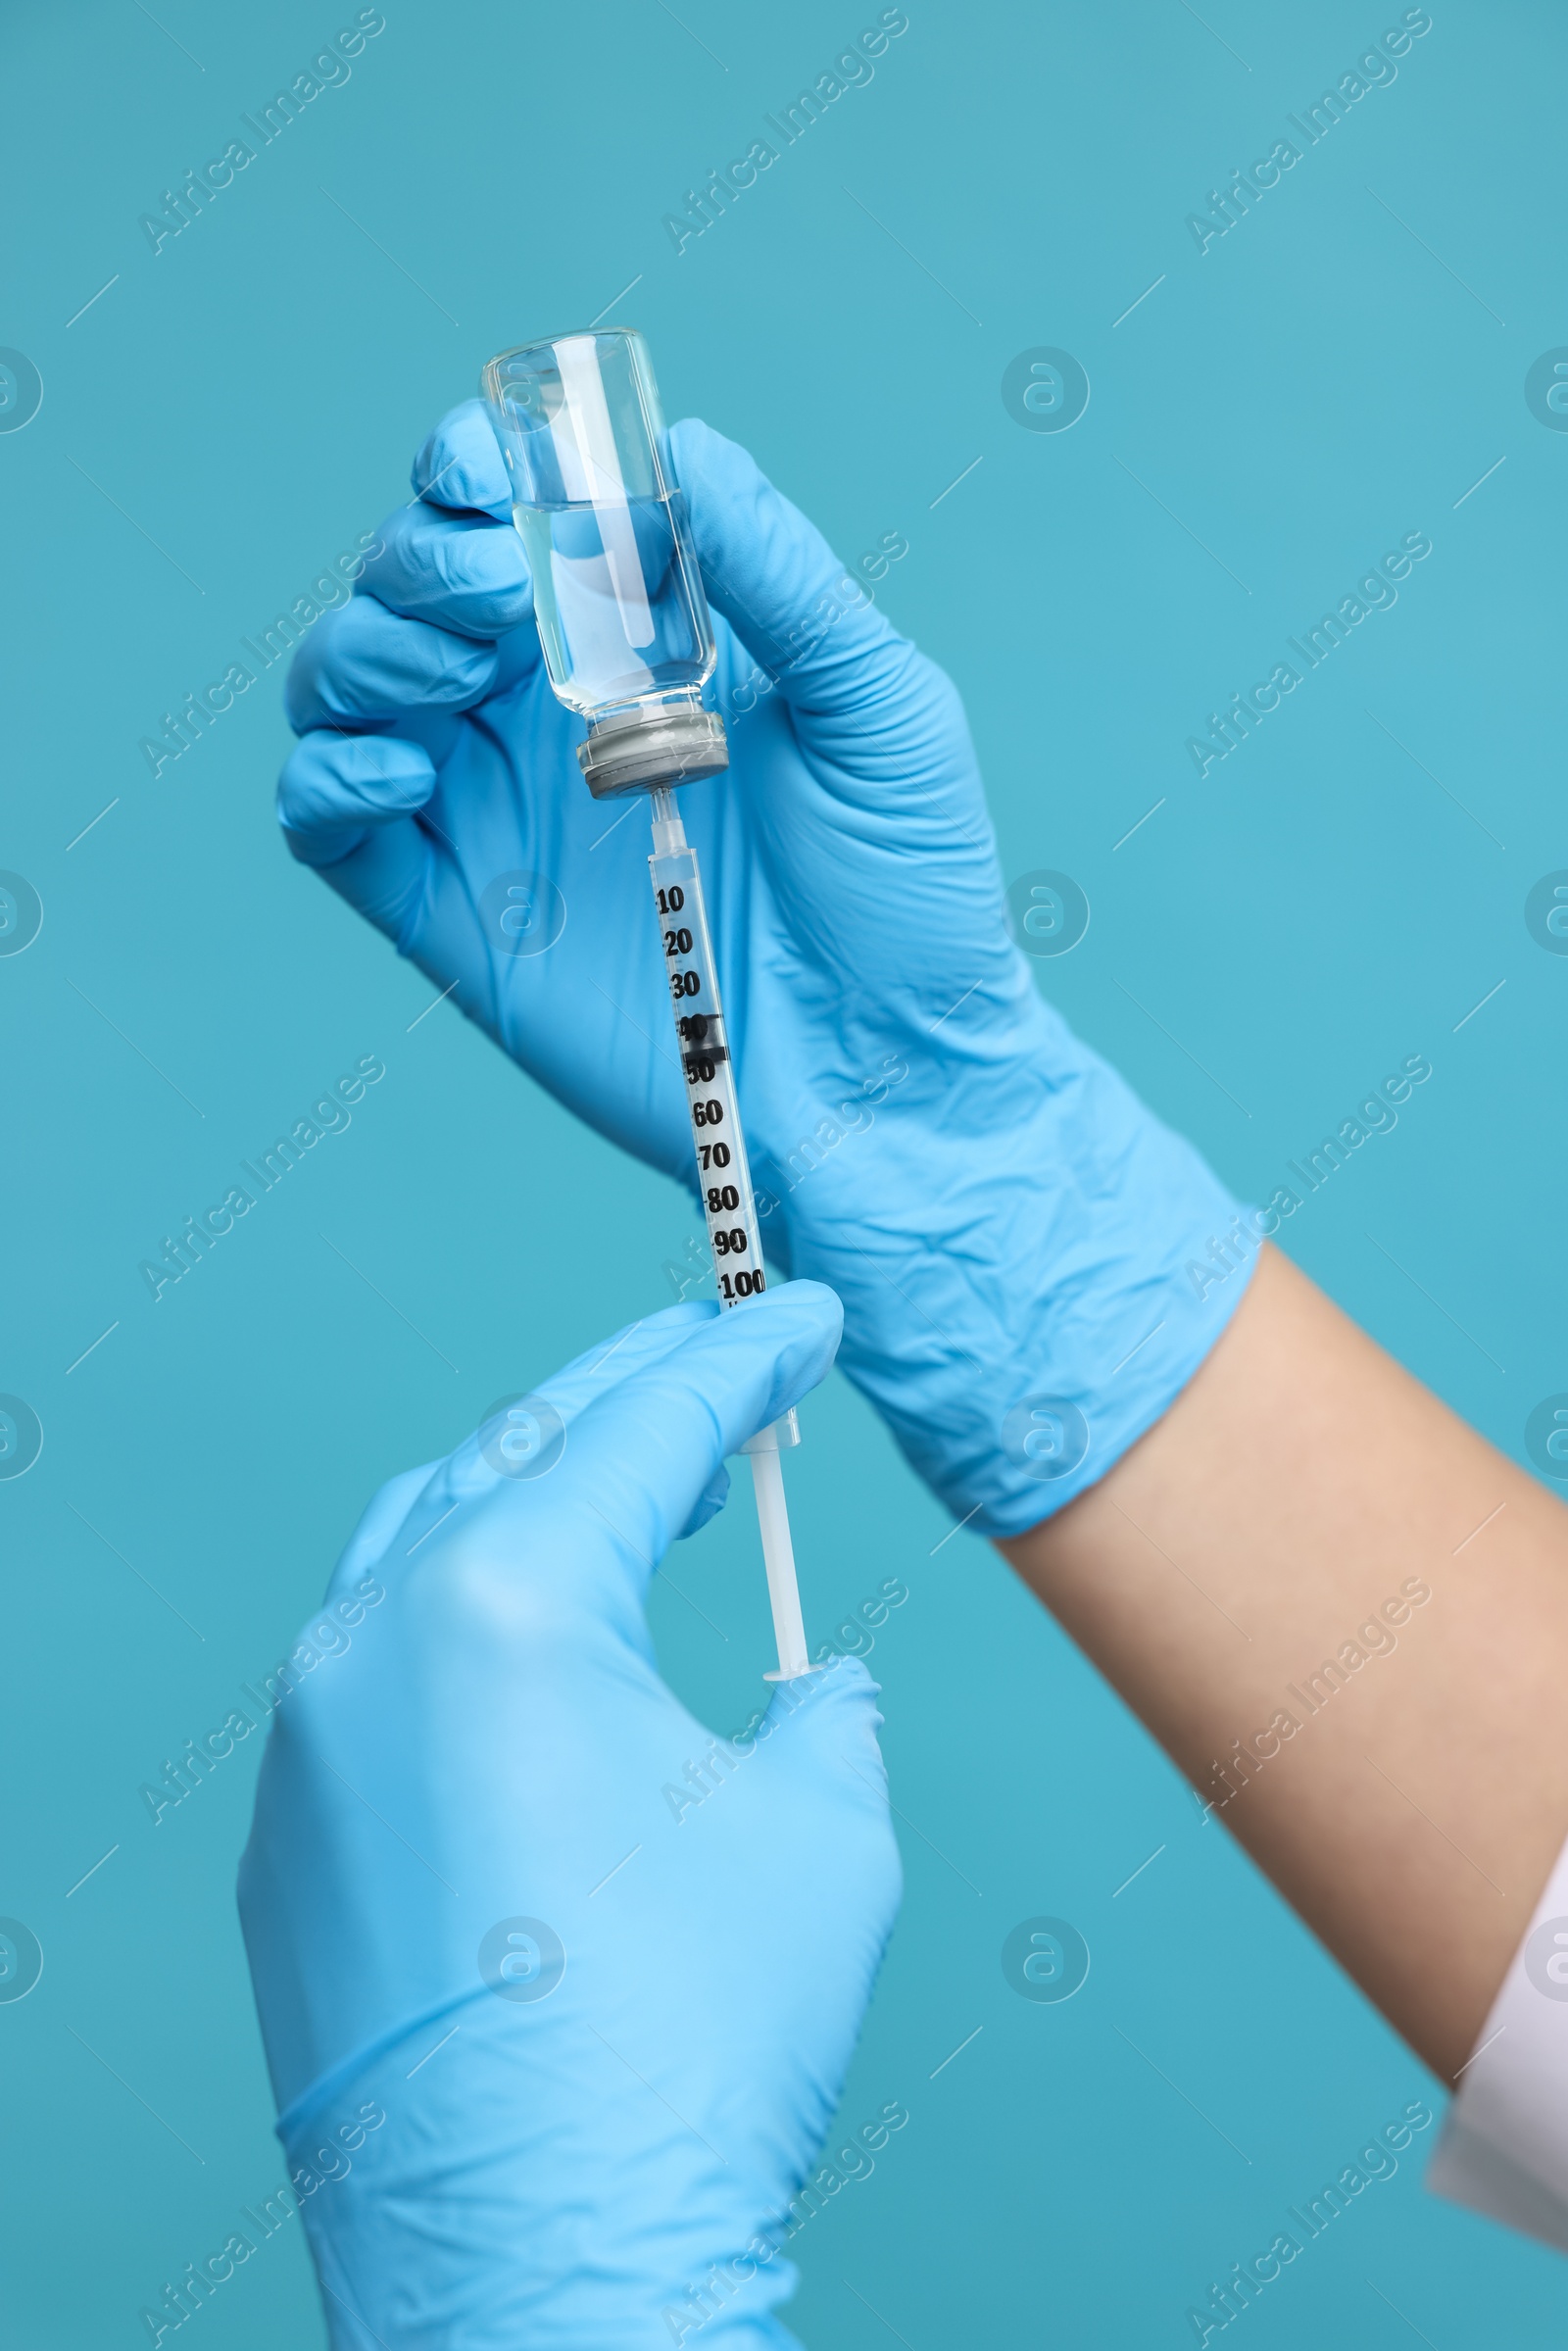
[(457, 570), (808, 1305), (699, 450), (688, 1310), (363, 664), (833, 1713), (379, 1522), (815, 1297), (335, 789), (850, 1681), (649, 1449), (723, 485), (803, 1325), (758, 1359), (459, 464), (330, 775)]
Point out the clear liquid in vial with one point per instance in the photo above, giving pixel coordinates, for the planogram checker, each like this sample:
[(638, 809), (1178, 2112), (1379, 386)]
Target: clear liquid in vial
[(616, 615)]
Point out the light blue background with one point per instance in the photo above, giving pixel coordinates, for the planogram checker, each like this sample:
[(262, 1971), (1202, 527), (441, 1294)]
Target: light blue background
[(1317, 384)]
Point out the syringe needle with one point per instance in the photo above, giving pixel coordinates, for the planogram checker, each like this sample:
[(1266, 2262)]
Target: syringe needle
[(724, 1181)]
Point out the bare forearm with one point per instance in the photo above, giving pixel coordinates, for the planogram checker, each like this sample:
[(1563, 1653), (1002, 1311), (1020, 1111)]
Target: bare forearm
[(1345, 1617)]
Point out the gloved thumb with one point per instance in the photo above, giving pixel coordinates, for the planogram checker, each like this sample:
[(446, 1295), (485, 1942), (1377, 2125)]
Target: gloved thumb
[(770, 572), (849, 679), (819, 1732), (821, 1792)]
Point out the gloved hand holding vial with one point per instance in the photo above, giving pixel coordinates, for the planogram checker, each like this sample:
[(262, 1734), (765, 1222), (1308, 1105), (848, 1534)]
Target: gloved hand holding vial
[(628, 643)]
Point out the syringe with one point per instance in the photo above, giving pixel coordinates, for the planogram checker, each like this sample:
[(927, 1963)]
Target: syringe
[(628, 642), (724, 1182)]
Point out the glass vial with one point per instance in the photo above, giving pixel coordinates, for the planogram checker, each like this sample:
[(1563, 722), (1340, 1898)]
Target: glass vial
[(623, 620)]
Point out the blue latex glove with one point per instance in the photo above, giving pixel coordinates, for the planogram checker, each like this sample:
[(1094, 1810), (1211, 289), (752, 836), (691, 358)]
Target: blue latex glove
[(1005, 1223), (492, 2149)]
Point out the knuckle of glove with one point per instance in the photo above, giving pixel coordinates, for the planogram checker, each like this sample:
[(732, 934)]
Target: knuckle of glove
[(470, 577), (366, 662)]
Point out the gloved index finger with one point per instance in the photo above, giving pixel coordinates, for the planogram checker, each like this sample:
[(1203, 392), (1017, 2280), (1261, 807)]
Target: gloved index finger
[(382, 1516), (458, 572), (459, 465), (643, 1456)]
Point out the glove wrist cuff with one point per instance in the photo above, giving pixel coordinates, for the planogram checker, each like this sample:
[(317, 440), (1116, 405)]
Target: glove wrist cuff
[(1028, 1284)]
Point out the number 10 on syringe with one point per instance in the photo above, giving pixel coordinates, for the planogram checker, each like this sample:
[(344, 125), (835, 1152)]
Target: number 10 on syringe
[(725, 1180)]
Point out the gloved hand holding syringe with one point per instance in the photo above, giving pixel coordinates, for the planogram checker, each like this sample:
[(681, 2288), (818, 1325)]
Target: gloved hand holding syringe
[(628, 642)]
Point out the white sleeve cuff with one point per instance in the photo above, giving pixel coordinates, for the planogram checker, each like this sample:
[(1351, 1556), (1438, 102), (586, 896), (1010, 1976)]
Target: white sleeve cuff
[(1504, 2144)]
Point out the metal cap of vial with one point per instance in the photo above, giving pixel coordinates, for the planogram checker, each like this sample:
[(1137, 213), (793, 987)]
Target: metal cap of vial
[(659, 745)]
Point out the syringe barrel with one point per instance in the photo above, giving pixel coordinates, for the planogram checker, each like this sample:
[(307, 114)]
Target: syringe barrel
[(729, 1207), (725, 1179)]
